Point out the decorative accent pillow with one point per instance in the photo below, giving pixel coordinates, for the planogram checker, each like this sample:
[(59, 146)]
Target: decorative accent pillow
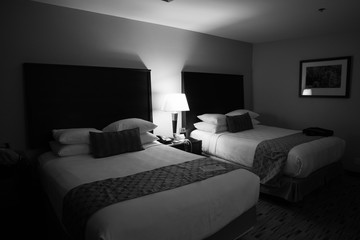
[(64, 150), (239, 123), (213, 118), (242, 111), (73, 135), (147, 138), (208, 127), (107, 144), (129, 123)]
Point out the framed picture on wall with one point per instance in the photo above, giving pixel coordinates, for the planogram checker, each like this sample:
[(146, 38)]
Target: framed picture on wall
[(327, 77)]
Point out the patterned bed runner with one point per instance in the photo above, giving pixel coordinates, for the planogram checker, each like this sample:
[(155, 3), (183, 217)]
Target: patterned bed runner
[(271, 155), (84, 200)]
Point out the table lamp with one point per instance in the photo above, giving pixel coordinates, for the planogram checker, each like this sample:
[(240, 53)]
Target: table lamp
[(175, 103)]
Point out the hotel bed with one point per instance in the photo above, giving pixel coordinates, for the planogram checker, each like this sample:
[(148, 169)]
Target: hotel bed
[(240, 148), (193, 211), (308, 165), (219, 204)]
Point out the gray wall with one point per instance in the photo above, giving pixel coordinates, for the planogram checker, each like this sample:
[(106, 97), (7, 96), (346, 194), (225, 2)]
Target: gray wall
[(36, 32), (276, 83)]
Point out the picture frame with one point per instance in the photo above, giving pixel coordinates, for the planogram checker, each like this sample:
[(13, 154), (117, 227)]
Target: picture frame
[(327, 77)]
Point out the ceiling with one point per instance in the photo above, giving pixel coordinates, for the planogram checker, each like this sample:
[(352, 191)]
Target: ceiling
[(253, 21)]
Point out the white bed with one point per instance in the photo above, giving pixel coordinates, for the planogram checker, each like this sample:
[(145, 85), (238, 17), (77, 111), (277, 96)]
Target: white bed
[(221, 207), (309, 165), (195, 211), (240, 147)]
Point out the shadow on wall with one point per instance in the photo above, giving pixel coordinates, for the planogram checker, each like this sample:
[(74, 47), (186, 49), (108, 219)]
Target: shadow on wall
[(123, 60)]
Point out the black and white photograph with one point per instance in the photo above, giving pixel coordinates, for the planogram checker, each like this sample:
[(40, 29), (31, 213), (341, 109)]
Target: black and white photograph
[(325, 77), (180, 120)]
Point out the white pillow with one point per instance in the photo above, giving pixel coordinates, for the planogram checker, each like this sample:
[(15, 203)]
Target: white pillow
[(147, 138), (73, 135), (213, 118), (255, 121), (64, 150), (208, 127), (242, 111), (129, 123)]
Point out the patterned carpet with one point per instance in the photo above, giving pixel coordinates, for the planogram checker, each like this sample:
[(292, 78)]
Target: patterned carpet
[(330, 213)]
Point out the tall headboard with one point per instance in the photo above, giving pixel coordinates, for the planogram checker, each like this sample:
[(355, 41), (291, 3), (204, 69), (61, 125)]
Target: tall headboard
[(71, 96), (210, 93)]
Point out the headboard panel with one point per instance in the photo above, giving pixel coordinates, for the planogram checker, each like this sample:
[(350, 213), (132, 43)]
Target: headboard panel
[(210, 93), (69, 96)]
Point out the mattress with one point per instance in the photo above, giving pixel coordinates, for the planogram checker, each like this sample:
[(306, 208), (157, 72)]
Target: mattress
[(193, 211), (240, 147)]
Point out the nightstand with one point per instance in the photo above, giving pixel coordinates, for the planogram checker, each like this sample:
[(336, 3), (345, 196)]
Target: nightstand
[(20, 198), (17, 175), (10, 177), (194, 146)]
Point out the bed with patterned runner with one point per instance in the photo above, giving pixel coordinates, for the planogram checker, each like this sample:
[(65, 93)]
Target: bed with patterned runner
[(84, 200), (271, 155)]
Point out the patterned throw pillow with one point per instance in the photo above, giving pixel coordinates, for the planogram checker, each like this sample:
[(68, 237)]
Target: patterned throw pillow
[(107, 144), (239, 123)]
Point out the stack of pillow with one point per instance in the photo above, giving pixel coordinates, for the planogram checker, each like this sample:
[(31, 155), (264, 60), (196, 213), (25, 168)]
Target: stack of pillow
[(126, 135), (212, 122), (130, 123), (71, 141), (234, 121)]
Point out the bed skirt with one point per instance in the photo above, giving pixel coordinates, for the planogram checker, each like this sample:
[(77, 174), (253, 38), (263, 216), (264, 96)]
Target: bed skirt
[(233, 230), (236, 228), (295, 189)]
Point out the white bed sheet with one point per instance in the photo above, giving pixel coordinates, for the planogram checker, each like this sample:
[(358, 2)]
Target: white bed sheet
[(194, 211), (240, 148)]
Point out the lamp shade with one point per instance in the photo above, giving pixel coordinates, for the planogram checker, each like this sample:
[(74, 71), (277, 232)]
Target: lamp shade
[(175, 102)]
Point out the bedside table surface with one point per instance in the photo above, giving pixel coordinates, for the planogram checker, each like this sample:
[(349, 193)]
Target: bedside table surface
[(194, 146)]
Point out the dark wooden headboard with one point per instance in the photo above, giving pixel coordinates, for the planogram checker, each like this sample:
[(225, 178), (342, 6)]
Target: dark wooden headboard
[(210, 93), (71, 96)]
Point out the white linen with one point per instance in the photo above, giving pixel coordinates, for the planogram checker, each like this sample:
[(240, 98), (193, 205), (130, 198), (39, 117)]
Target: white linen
[(209, 127), (194, 211), (129, 123), (240, 148), (213, 118), (64, 150), (73, 135)]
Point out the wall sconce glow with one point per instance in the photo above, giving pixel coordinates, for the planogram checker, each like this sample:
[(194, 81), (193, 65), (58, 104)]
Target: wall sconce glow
[(307, 92), (174, 103)]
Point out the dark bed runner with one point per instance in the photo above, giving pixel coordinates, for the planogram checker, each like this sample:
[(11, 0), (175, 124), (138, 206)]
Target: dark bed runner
[(84, 200), (271, 155)]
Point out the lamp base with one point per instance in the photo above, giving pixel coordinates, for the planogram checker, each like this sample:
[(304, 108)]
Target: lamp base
[(174, 121)]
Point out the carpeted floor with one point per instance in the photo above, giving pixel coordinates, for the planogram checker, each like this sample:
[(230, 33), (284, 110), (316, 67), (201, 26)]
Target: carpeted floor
[(330, 213)]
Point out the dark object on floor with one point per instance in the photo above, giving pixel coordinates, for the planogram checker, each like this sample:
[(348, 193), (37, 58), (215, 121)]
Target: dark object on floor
[(316, 131)]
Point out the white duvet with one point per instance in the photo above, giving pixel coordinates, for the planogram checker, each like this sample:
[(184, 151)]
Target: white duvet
[(240, 148), (194, 211)]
